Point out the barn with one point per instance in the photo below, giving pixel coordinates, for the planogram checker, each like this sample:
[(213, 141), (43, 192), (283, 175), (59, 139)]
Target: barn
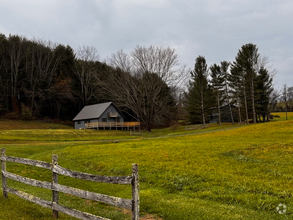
[(102, 116)]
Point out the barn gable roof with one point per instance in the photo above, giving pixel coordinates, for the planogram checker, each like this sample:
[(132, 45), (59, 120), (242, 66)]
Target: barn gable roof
[(92, 111)]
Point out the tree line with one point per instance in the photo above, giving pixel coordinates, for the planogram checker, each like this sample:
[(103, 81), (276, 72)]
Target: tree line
[(245, 86), (40, 79)]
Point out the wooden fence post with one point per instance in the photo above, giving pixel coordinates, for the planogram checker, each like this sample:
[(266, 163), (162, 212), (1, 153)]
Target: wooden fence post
[(135, 192), (55, 194), (3, 169)]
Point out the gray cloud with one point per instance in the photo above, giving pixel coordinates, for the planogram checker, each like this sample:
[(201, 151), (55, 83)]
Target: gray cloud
[(214, 29)]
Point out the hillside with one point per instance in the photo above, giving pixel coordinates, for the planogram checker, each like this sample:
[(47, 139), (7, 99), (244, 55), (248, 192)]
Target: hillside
[(241, 173), (24, 125)]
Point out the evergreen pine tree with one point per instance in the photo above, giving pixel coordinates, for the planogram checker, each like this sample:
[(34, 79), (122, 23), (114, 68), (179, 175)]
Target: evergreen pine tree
[(199, 96)]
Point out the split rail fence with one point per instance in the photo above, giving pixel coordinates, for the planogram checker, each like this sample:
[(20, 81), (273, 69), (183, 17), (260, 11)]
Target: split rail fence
[(130, 204)]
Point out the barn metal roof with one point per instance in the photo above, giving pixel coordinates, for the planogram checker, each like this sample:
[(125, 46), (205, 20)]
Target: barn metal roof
[(92, 111)]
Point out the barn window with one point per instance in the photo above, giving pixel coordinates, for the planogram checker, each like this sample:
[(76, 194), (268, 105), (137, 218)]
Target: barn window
[(104, 119)]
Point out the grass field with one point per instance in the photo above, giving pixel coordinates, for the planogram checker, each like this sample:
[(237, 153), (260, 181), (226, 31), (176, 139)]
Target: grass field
[(232, 172), (282, 116)]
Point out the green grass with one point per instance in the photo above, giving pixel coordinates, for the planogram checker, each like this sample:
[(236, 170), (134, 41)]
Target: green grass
[(282, 116), (62, 135), (215, 173)]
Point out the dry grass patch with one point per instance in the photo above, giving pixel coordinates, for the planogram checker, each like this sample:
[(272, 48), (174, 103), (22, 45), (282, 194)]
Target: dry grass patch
[(23, 125)]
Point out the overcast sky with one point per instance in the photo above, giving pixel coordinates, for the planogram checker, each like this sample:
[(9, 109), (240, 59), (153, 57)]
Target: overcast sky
[(215, 29)]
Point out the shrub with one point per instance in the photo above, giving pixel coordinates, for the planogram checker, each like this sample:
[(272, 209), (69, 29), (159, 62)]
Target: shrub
[(26, 113), (12, 116)]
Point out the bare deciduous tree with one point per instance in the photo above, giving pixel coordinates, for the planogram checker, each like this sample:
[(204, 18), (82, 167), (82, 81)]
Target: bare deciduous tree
[(122, 61), (144, 83), (15, 52), (86, 71), (40, 70), (159, 60)]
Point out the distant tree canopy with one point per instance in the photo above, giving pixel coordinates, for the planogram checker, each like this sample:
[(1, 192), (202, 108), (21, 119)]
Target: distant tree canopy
[(144, 83), (252, 82), (40, 79), (248, 85), (37, 75), (199, 96)]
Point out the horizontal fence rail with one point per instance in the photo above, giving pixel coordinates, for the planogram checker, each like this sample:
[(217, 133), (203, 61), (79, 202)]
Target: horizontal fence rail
[(113, 125), (131, 204)]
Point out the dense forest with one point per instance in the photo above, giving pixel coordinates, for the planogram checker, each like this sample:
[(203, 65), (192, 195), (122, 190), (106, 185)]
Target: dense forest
[(40, 79)]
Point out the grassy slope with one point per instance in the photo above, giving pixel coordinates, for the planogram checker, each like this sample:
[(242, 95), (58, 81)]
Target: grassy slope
[(22, 125), (242, 173), (282, 116)]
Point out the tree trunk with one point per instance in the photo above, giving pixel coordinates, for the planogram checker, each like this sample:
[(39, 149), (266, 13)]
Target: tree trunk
[(202, 109), (219, 109), (245, 103), (252, 101), (228, 101), (286, 107), (239, 110)]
